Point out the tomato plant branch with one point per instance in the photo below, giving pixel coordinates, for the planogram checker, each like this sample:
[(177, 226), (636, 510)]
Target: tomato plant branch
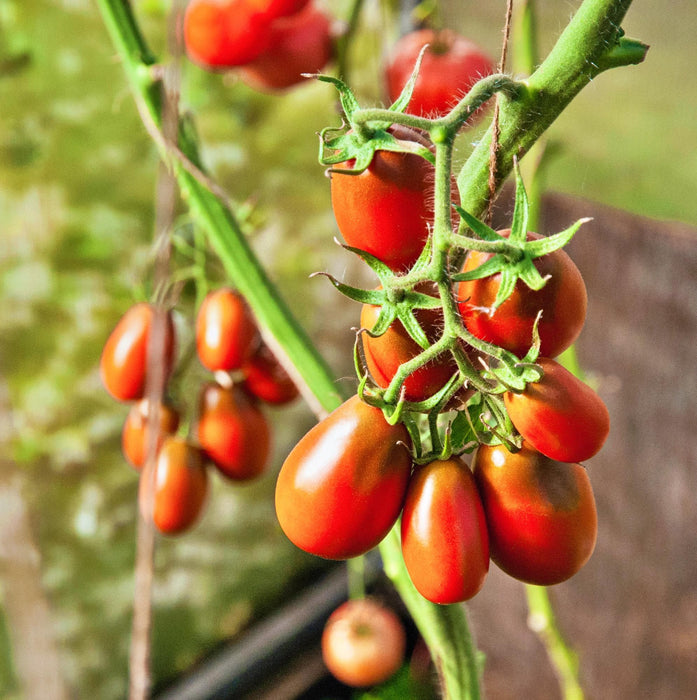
[(592, 42), (298, 353)]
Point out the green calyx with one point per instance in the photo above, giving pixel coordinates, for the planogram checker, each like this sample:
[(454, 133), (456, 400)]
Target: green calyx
[(355, 141), (513, 256)]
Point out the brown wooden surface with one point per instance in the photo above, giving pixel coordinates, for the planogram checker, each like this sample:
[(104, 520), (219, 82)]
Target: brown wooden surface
[(631, 613)]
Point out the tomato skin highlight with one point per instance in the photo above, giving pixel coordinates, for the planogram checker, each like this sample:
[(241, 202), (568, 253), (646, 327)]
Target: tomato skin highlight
[(450, 67), (387, 209), (233, 431), (363, 643), (300, 43), (540, 513), (342, 486), (181, 486), (124, 359), (444, 535), (563, 301), (226, 333), (134, 436), (267, 380), (560, 416)]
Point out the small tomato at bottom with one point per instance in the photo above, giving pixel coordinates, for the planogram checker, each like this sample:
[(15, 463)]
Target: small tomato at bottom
[(444, 536), (341, 488), (363, 643), (180, 486), (540, 513)]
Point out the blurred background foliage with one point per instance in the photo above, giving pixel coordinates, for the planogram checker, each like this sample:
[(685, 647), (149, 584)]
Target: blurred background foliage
[(77, 184)]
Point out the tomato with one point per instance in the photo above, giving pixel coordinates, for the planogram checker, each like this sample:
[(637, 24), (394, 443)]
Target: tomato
[(301, 43), (450, 67), (384, 354), (124, 359), (562, 301), (444, 536), (181, 486), (388, 208), (265, 378), (233, 431), (134, 437), (226, 33), (363, 643), (341, 488), (540, 513), (226, 334), (560, 416)]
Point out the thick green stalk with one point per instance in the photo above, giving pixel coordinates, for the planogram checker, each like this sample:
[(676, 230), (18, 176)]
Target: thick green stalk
[(590, 44)]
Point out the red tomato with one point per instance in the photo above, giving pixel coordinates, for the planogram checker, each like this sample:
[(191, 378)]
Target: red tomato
[(124, 358), (388, 208), (384, 354), (265, 378), (181, 486), (341, 488), (226, 334), (560, 416), (301, 43), (562, 301), (450, 67), (540, 513), (225, 33), (134, 437), (444, 537), (233, 432), (363, 643)]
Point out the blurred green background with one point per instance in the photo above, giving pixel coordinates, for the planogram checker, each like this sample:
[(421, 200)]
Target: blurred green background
[(77, 183)]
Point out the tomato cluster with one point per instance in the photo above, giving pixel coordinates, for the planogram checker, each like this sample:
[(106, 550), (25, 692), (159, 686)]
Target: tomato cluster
[(231, 431), (271, 42)]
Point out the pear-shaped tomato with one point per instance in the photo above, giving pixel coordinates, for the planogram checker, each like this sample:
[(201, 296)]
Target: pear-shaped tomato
[(444, 536), (560, 415), (134, 437), (233, 431), (125, 356), (540, 513), (341, 488), (265, 378), (180, 486), (226, 333)]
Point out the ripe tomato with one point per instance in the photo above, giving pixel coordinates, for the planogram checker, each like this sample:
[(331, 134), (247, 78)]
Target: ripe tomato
[(363, 643), (226, 334), (181, 486), (233, 431), (225, 33), (560, 416), (384, 354), (124, 358), (341, 488), (301, 43), (134, 437), (562, 301), (265, 378), (540, 513), (450, 67), (444, 537), (388, 208)]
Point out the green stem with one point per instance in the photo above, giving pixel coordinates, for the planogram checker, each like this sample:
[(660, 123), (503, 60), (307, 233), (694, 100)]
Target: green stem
[(590, 44), (542, 621)]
